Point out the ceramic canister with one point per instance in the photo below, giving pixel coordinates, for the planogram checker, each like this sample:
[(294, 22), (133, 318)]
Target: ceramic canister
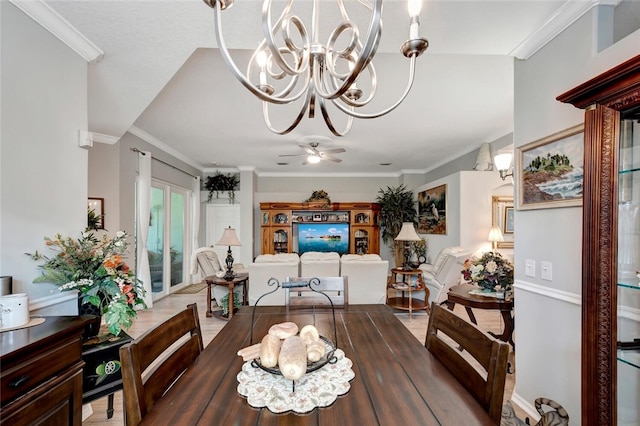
[(14, 310)]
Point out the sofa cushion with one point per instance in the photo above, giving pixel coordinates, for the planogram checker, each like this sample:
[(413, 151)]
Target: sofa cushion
[(319, 256), (277, 258), (360, 257)]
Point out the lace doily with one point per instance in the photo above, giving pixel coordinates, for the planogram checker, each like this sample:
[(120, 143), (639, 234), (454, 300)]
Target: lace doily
[(316, 389)]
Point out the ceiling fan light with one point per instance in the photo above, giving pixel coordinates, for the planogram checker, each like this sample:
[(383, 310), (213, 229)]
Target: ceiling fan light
[(314, 159)]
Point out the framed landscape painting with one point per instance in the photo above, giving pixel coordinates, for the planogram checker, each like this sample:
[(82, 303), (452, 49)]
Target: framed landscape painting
[(432, 210), (550, 171)]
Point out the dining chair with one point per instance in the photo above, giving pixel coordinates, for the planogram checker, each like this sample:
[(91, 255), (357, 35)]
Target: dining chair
[(337, 288), (465, 350), (142, 357)]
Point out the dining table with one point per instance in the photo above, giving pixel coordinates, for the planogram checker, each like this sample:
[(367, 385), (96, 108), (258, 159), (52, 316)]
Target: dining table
[(396, 379)]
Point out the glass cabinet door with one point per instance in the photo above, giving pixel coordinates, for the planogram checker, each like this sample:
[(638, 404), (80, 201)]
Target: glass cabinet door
[(628, 309)]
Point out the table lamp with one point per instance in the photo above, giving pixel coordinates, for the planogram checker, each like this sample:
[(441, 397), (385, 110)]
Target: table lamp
[(495, 236), (407, 233), (229, 238)]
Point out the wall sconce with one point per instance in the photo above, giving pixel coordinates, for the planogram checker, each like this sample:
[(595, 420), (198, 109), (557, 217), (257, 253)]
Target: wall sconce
[(503, 162)]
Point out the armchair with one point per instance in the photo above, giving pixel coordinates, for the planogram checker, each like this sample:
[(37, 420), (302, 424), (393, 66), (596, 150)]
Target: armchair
[(444, 273)]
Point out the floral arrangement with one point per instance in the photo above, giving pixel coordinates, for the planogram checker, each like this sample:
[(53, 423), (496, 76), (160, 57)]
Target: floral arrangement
[(489, 271), (96, 269), (319, 195), (222, 183)]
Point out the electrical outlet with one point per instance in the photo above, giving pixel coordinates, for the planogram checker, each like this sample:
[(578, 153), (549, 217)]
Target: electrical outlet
[(530, 268), (546, 270)]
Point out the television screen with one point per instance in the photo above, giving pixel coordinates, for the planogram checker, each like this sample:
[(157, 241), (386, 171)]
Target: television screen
[(323, 237)]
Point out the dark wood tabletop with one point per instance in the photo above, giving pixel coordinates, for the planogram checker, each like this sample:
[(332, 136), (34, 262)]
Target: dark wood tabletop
[(396, 379)]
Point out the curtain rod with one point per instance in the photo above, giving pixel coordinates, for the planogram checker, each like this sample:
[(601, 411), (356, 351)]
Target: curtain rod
[(134, 149)]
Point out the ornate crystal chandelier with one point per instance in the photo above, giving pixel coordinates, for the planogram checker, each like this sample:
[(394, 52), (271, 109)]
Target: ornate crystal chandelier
[(306, 68)]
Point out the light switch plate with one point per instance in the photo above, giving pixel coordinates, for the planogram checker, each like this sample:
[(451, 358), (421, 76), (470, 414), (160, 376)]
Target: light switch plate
[(530, 268), (546, 271)]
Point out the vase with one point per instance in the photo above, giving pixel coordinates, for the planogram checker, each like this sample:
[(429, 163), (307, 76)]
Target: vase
[(92, 328)]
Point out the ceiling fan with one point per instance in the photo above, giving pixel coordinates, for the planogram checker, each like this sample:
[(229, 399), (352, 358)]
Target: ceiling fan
[(315, 154)]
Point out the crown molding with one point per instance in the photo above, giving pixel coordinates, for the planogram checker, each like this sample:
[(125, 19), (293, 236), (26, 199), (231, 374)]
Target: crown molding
[(326, 175), (51, 20), (136, 131), (566, 15), (106, 139)]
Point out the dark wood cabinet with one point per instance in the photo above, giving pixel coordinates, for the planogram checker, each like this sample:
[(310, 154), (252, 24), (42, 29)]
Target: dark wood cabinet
[(610, 290), (41, 375), (279, 220)]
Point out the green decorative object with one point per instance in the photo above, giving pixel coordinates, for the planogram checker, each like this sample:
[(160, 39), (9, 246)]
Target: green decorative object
[(224, 303), (397, 206), (222, 183), (319, 196)]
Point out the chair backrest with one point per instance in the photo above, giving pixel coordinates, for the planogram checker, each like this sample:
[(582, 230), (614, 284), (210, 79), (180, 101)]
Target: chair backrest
[(337, 288), (470, 346), (368, 276), (138, 355), (208, 262)]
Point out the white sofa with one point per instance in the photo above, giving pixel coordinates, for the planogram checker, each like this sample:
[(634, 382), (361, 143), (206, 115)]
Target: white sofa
[(319, 264), (444, 273), (267, 266), (367, 275)]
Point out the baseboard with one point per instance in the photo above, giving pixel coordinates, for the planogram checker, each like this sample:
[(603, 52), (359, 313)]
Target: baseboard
[(526, 406)]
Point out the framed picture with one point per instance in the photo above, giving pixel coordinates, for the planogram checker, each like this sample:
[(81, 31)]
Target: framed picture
[(95, 213), (502, 217), (317, 217), (432, 211), (550, 171), (507, 221)]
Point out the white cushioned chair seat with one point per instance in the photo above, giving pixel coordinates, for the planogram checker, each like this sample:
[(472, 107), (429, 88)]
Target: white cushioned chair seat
[(319, 264), (267, 266), (367, 276), (445, 272), (209, 264)]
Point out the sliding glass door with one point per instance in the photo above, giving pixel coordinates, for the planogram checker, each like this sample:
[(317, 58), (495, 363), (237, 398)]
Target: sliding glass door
[(167, 238)]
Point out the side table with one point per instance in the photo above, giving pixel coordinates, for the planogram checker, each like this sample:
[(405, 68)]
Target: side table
[(239, 279), (460, 294), (101, 374), (404, 281)]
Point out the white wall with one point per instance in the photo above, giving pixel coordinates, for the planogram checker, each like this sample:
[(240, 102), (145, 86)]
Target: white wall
[(43, 170), (548, 313)]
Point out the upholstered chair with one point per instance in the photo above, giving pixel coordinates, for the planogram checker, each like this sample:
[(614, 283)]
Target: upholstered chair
[(444, 273), (367, 275)]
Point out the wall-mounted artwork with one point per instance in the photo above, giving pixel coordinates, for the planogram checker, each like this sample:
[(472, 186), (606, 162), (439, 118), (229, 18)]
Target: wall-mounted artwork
[(432, 209), (550, 171), (502, 217), (95, 213)]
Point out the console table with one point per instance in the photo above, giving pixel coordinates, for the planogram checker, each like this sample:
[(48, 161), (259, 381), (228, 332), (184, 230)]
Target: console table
[(460, 294)]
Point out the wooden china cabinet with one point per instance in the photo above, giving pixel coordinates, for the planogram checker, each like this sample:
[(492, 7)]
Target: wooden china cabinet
[(611, 245)]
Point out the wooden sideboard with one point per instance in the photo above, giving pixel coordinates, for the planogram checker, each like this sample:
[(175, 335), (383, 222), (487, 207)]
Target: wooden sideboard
[(41, 375), (279, 222)]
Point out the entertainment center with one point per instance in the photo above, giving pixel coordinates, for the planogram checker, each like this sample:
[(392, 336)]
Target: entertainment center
[(316, 226)]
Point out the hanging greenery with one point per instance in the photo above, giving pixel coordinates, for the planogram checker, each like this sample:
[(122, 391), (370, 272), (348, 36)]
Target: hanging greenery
[(222, 183)]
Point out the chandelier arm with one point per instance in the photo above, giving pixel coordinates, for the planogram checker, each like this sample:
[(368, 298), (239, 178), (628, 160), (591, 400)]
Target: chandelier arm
[(366, 56), (329, 123), (293, 125), (267, 29), (236, 72), (352, 113)]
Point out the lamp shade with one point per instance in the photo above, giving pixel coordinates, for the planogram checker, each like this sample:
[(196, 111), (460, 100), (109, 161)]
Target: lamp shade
[(229, 238), (495, 234), (502, 161), (407, 233)]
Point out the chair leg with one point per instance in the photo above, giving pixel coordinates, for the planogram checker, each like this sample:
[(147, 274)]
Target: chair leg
[(110, 406)]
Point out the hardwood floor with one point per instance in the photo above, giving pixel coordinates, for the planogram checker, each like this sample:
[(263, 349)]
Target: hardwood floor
[(488, 320)]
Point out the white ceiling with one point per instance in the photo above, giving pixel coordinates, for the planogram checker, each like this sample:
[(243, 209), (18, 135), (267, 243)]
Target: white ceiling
[(162, 78)]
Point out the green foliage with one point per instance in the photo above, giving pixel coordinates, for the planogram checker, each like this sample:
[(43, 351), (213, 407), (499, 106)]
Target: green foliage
[(224, 303), (397, 206), (222, 183), (93, 219)]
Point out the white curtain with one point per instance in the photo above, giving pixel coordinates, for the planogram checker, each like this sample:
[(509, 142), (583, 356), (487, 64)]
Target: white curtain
[(144, 209), (195, 219)]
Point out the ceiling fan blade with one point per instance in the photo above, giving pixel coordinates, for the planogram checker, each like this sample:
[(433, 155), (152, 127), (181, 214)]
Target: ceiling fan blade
[(330, 158), (334, 150), (309, 149), (291, 155)]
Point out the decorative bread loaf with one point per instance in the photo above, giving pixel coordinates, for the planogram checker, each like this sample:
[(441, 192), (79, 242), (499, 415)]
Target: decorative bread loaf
[(250, 352), (316, 350), (284, 330), (309, 334), (270, 350), (293, 358)]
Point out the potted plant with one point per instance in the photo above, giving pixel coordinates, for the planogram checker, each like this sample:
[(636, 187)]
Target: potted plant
[(224, 303), (222, 183), (95, 268), (397, 206)]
